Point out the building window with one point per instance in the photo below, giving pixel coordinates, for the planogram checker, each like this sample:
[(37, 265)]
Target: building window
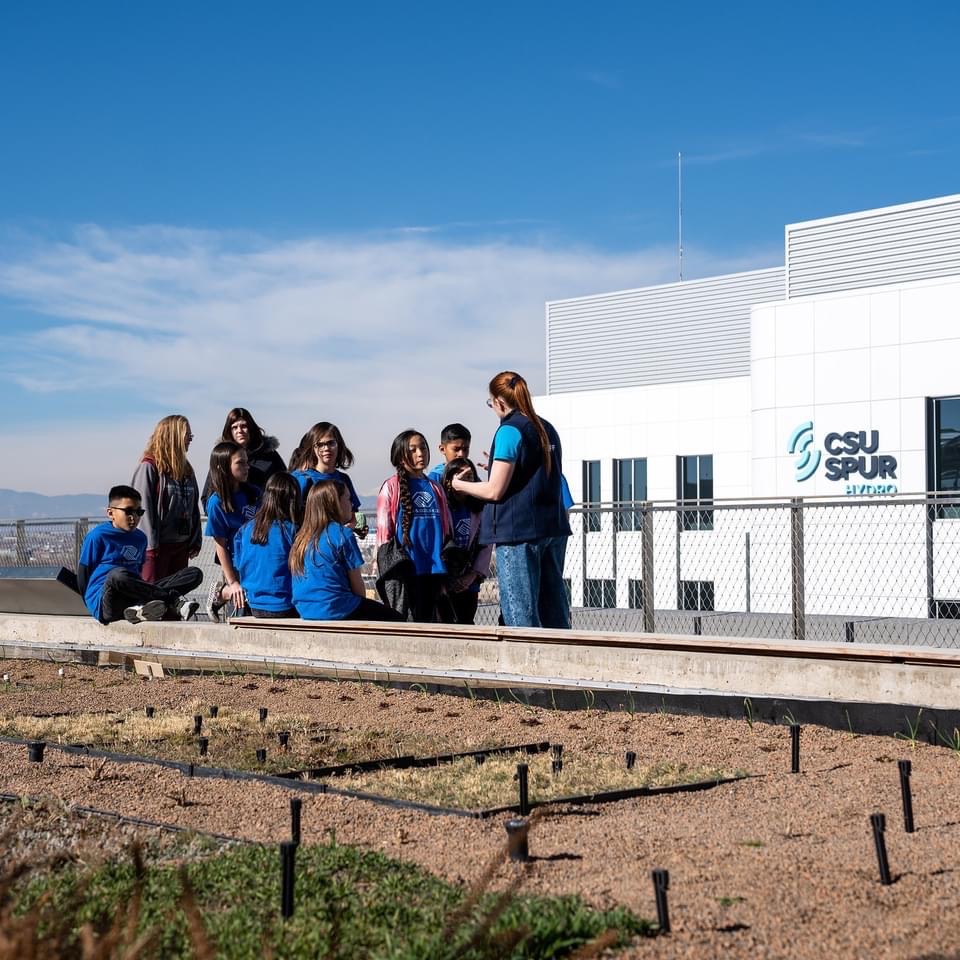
[(946, 609), (695, 595), (636, 594), (591, 495), (600, 593), (629, 487), (943, 449), (695, 482)]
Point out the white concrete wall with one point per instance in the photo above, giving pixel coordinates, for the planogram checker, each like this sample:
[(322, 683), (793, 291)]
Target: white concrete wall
[(852, 361)]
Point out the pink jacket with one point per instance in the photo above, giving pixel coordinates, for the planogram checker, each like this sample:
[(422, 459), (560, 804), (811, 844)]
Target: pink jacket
[(388, 505)]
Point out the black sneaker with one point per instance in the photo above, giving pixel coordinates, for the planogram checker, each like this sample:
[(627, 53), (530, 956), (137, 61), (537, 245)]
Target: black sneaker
[(152, 610)]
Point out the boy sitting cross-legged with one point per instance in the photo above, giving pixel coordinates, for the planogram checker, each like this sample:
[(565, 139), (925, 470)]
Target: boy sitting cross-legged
[(111, 558)]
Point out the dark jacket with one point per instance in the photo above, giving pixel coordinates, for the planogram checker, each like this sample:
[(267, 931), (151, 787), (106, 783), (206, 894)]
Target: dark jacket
[(532, 506), (264, 463), (172, 512)]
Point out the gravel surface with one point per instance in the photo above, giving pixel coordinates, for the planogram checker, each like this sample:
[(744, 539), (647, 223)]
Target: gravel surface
[(778, 865)]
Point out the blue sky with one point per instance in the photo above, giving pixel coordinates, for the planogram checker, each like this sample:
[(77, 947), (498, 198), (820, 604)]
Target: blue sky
[(355, 212)]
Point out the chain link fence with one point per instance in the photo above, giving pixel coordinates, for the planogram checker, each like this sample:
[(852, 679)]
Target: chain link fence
[(864, 571)]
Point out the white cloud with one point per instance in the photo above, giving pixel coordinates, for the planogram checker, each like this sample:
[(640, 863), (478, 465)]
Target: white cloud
[(373, 333)]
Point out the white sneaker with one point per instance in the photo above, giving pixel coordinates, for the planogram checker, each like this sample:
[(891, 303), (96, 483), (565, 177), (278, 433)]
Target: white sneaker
[(153, 610), (188, 609), (214, 603)]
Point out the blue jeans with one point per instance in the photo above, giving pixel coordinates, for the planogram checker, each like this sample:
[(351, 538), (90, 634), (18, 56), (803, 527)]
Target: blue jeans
[(532, 592)]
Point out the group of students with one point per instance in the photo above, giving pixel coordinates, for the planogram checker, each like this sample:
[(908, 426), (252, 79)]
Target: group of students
[(286, 535)]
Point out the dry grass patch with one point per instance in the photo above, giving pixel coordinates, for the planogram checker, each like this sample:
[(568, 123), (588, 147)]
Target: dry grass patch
[(465, 785), (234, 737)]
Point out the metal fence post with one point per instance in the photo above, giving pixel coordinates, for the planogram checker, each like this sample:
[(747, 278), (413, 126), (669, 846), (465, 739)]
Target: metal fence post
[(796, 568), (646, 554), (21, 548), (746, 542), (79, 532)]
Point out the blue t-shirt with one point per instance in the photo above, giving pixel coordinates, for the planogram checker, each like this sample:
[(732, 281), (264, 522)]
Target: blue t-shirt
[(506, 443), (323, 591), (426, 528), (566, 497), (262, 567), (104, 548), (436, 473), (307, 478), (462, 522), (220, 523)]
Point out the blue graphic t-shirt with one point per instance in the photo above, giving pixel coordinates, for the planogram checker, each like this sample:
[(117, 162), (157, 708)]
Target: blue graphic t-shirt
[(220, 523), (104, 548), (262, 567), (323, 591), (307, 478), (436, 473), (426, 528), (462, 524)]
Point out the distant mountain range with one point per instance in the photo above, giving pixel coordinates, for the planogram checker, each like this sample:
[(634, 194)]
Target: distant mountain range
[(23, 505)]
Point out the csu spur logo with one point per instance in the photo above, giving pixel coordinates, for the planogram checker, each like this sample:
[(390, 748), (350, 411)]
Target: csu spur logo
[(801, 444)]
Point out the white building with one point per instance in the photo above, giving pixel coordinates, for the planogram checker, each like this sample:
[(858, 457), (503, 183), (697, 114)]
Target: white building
[(836, 376)]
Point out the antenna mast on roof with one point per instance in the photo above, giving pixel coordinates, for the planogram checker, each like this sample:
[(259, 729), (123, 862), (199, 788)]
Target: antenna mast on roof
[(680, 213)]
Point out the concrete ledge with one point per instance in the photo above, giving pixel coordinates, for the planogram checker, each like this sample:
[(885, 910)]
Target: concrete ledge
[(910, 676)]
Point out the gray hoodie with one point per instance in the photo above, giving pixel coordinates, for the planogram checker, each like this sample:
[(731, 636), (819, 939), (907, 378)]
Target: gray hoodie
[(172, 507)]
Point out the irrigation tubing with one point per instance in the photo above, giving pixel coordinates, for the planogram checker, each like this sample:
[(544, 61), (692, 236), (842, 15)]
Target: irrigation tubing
[(287, 783), (133, 821)]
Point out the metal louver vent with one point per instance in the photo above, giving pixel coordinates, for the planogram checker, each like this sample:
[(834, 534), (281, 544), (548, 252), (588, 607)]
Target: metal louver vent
[(695, 330), (915, 241)]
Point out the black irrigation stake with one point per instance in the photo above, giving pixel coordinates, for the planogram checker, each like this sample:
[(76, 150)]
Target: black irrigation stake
[(556, 766), (296, 805), (904, 767), (262, 754), (879, 823), (197, 723), (479, 759), (35, 751), (631, 759), (263, 714), (794, 747), (189, 771), (517, 833), (288, 864), (523, 771), (149, 711), (284, 737), (203, 743), (661, 883), (214, 710), (557, 749)]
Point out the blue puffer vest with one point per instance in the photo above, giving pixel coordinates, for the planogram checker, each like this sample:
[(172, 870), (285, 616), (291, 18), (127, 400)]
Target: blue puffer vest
[(532, 507)]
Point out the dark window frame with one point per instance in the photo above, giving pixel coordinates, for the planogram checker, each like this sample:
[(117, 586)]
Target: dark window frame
[(591, 517), (701, 488), (629, 519)]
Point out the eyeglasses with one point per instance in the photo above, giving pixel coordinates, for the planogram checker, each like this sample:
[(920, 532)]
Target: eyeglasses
[(490, 404), (130, 511), (325, 444)]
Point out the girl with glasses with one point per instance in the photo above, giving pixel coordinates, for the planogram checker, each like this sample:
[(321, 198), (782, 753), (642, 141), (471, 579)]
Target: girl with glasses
[(524, 512), (321, 455)]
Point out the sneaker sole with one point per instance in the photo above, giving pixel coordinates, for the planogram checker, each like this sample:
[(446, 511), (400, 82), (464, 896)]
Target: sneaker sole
[(154, 610)]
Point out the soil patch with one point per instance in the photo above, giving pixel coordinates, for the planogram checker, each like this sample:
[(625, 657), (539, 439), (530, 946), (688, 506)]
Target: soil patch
[(777, 865)]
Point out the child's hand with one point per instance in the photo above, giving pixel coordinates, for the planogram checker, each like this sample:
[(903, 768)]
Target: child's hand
[(235, 594), (463, 583)]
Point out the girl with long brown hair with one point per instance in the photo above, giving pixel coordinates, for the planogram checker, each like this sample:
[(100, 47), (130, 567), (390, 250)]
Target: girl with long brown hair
[(524, 513), (325, 561), (241, 428), (170, 498), (322, 454), (412, 510), (261, 549)]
